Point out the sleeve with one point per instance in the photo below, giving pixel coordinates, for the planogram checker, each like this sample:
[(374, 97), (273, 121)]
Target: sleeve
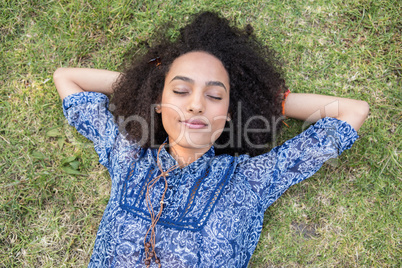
[(88, 113), (271, 174)]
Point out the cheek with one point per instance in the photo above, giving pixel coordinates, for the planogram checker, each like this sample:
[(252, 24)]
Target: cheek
[(170, 111), (220, 119), (168, 116), (172, 106)]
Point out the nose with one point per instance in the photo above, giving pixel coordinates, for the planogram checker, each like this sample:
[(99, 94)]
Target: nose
[(196, 104)]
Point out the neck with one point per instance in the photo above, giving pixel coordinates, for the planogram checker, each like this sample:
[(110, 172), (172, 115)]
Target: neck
[(186, 156)]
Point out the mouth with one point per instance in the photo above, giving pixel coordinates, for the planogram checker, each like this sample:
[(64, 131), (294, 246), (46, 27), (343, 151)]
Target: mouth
[(194, 123)]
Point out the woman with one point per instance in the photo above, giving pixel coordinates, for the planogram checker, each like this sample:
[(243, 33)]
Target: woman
[(175, 200)]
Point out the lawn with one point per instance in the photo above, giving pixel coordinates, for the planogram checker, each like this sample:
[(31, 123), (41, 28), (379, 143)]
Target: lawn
[(53, 190)]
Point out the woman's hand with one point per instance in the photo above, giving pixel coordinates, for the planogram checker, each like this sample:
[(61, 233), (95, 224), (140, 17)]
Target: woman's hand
[(74, 80), (312, 107)]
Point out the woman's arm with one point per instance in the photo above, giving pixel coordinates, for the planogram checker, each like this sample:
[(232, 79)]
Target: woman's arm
[(312, 107), (74, 80)]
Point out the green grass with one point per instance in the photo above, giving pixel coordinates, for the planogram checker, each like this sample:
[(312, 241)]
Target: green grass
[(347, 215)]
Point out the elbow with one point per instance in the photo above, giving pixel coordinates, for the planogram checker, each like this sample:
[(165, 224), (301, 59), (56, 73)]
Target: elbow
[(360, 113), (61, 82), (58, 74), (363, 110), (355, 113)]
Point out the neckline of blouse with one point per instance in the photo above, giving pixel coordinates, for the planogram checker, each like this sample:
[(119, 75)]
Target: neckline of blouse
[(168, 161)]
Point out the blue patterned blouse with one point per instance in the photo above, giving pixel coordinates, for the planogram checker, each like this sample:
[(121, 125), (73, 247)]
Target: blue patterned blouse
[(214, 207)]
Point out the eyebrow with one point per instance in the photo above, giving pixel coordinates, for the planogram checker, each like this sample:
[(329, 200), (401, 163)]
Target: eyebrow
[(191, 81)]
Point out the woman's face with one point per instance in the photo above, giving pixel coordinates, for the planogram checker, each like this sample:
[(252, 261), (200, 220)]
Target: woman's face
[(195, 101)]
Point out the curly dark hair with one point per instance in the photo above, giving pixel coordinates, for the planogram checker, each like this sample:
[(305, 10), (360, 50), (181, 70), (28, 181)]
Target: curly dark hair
[(256, 84)]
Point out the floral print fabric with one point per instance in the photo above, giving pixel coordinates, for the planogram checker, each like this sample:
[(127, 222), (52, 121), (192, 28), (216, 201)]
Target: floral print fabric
[(214, 207)]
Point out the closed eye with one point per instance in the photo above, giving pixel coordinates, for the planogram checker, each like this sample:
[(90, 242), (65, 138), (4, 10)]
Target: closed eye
[(215, 98), (179, 92)]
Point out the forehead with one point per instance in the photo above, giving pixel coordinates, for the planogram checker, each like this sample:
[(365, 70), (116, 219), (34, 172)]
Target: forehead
[(199, 65)]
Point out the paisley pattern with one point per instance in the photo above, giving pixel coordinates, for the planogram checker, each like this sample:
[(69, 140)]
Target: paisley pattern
[(214, 207)]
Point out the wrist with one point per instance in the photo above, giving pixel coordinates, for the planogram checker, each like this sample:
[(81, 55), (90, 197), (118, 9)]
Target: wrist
[(285, 95)]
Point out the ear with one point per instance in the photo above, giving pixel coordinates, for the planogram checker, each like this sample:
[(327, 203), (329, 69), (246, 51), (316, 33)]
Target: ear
[(228, 118), (158, 108)]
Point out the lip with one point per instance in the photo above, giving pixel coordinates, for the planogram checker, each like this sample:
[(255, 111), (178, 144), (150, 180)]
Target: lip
[(194, 123)]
